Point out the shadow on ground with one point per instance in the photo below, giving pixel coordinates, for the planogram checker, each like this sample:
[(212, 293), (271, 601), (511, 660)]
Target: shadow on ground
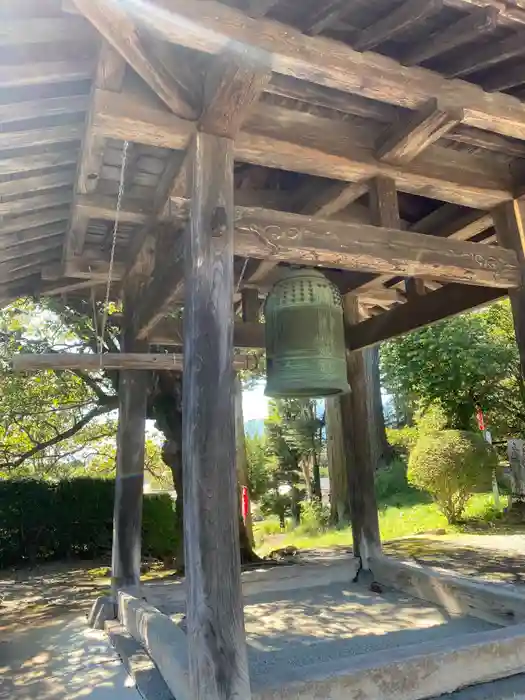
[(488, 564)]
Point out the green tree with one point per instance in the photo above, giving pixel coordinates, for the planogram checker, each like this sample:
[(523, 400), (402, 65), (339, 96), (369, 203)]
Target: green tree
[(262, 465), (459, 363)]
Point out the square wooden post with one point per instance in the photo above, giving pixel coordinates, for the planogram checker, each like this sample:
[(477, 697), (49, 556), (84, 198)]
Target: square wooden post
[(356, 416), (216, 637), (129, 482), (510, 230)]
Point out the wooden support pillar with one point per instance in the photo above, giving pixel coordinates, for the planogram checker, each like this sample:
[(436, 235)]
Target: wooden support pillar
[(216, 637), (510, 229), (127, 517), (337, 464), (356, 413)]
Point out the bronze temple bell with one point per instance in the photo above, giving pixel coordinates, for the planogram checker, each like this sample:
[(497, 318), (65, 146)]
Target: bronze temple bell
[(305, 348)]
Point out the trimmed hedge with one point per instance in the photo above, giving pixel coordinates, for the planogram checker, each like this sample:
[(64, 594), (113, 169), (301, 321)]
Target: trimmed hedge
[(74, 518)]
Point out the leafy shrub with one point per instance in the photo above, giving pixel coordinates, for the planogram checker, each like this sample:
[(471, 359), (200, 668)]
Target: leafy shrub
[(315, 517), (392, 487), (73, 518), (402, 440), (451, 465)]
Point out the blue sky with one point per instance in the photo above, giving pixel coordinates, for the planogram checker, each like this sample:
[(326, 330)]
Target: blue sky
[(254, 402)]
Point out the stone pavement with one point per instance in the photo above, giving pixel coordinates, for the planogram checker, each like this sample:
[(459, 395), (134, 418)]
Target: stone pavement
[(61, 659)]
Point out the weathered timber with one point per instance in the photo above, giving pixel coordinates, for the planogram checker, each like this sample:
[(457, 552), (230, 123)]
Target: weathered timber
[(38, 161), (405, 140), (32, 235), (39, 201), (356, 422), (469, 28), (48, 107), (115, 25), (30, 221), (414, 287), (337, 464), (100, 207), (118, 361), (383, 205), (169, 331), (324, 17), (45, 72), (129, 117), (486, 57), (44, 30), (211, 26), (41, 137), (61, 178), (250, 305), (510, 230), (129, 482), (330, 200), (395, 22), (504, 78), (231, 88), (300, 239), (216, 639), (292, 140), (448, 301)]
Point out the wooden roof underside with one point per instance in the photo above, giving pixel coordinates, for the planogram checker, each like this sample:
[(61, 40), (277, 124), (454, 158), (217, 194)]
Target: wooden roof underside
[(423, 93)]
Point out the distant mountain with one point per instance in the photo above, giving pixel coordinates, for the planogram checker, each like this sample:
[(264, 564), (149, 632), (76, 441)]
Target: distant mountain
[(255, 426)]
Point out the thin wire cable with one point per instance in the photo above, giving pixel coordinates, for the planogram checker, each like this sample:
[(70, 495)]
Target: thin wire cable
[(114, 244), (242, 274)]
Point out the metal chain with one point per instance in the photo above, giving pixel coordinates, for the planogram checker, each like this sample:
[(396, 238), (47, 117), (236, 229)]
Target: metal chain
[(113, 244)]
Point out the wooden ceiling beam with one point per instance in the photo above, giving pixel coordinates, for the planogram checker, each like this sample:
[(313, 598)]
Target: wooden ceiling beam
[(504, 78), (329, 201), (29, 221), (210, 27), (406, 139), (396, 22), (422, 311), (300, 239), (487, 56), (29, 236), (45, 72), (476, 24), (169, 331), (38, 161), (47, 107), (49, 200), (36, 183), (289, 140), (119, 30), (46, 136)]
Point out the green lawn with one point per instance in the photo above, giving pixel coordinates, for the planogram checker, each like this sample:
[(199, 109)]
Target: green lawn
[(394, 521)]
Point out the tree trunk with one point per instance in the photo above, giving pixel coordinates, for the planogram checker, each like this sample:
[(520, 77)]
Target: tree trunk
[(240, 452), (316, 477), (337, 468), (305, 468), (167, 412)]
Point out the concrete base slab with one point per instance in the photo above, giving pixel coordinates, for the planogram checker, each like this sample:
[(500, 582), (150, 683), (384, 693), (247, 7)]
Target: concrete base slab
[(103, 609)]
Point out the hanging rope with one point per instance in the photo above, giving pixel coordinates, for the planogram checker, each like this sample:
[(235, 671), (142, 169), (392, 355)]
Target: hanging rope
[(113, 246)]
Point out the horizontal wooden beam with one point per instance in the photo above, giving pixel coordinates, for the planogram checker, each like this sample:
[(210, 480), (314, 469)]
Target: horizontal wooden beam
[(95, 363), (292, 140), (37, 183), (448, 301), (47, 107), (41, 137), (211, 27), (45, 72), (169, 331), (408, 138), (38, 161), (301, 239), (49, 200), (29, 221)]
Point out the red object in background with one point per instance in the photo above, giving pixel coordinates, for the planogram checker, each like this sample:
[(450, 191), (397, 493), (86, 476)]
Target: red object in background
[(481, 420), (245, 503)]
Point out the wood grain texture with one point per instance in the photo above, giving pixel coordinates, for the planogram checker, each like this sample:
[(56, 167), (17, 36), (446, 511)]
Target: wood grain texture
[(448, 301), (129, 482), (328, 201), (405, 140), (356, 418), (143, 360), (304, 240), (115, 25), (15, 207), (467, 29), (49, 135), (210, 26), (40, 161), (487, 56), (291, 140), (61, 178), (395, 22), (47, 107), (216, 639), (510, 230), (45, 72), (169, 331), (231, 89)]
